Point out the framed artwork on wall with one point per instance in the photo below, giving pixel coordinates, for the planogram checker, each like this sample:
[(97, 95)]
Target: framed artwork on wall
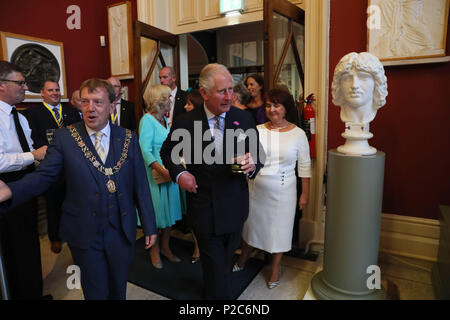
[(39, 59), (407, 29), (120, 35)]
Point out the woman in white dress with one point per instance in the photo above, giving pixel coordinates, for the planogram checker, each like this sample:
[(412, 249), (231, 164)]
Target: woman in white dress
[(273, 193)]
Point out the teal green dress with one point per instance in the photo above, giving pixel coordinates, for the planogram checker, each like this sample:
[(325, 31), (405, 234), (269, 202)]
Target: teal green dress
[(165, 196)]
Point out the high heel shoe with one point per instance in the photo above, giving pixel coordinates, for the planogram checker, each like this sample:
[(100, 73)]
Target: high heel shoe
[(158, 265), (272, 284), (236, 268), (194, 259)]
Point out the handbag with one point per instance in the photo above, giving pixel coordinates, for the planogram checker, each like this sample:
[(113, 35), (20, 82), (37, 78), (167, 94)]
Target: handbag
[(158, 177)]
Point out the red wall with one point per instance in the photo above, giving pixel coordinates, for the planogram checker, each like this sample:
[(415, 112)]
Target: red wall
[(413, 128), (84, 57), (46, 19)]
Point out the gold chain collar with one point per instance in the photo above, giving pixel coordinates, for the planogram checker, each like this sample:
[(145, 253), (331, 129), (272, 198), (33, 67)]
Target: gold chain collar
[(91, 157)]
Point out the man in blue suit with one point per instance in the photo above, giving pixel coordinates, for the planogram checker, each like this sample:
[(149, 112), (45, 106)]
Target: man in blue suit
[(105, 183)]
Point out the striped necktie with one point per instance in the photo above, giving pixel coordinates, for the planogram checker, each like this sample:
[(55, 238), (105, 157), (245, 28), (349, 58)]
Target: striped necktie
[(218, 133), (99, 146), (57, 116)]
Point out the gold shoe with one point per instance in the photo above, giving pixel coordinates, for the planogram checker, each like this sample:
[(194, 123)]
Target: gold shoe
[(157, 265)]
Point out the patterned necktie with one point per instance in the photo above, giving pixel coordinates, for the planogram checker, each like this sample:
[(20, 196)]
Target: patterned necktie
[(171, 102), (99, 146), (57, 116), (218, 133)]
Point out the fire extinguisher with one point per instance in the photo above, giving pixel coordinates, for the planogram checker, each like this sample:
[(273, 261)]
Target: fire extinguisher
[(309, 124)]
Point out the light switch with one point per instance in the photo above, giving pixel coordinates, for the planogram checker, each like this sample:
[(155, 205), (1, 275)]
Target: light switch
[(102, 41)]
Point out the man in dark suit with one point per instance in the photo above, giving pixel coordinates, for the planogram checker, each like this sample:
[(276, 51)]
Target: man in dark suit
[(123, 114), (217, 198), (19, 236), (168, 77), (44, 119), (75, 101), (104, 166)]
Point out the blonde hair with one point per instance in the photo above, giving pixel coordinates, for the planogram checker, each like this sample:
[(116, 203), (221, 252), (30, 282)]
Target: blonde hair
[(156, 97)]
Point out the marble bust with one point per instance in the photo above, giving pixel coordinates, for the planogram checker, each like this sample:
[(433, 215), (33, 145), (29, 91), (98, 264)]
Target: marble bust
[(359, 88)]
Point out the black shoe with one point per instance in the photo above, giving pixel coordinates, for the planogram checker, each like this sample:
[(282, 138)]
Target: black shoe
[(47, 297)]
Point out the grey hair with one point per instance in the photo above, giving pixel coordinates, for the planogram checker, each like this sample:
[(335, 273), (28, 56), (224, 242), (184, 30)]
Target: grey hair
[(206, 79), (366, 62), (156, 97)]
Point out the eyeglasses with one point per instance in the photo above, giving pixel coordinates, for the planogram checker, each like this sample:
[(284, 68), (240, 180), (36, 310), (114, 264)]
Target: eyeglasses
[(18, 82)]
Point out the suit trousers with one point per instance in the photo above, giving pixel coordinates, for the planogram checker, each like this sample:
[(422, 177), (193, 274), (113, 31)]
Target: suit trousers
[(21, 251), (217, 253), (104, 265), (54, 198)]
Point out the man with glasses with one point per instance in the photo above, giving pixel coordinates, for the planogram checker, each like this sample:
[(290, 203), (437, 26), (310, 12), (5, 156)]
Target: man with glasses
[(44, 119), (123, 114), (18, 227)]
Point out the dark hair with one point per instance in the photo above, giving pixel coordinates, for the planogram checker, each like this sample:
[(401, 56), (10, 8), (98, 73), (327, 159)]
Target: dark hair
[(259, 79), (284, 97), (48, 80), (93, 84), (195, 98), (6, 68), (242, 94)]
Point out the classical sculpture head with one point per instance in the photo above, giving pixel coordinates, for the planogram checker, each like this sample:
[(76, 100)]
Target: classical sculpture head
[(359, 87)]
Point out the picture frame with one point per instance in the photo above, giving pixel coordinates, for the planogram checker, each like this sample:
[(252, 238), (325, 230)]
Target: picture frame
[(38, 58), (120, 36), (407, 30)]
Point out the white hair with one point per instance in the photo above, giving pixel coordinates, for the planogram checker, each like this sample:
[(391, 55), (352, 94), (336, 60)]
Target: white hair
[(206, 79), (366, 62)]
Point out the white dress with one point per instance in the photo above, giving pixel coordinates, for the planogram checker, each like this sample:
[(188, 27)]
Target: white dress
[(273, 193)]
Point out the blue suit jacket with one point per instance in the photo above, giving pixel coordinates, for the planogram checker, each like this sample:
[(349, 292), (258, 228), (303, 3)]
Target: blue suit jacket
[(86, 191)]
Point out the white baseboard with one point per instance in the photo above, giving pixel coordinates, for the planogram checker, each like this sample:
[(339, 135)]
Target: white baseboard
[(416, 239), (409, 237)]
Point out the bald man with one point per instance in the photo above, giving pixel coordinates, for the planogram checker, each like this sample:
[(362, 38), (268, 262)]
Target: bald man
[(168, 77), (124, 113), (75, 101)]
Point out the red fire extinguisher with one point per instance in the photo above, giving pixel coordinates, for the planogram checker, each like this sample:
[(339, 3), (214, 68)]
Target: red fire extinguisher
[(309, 124)]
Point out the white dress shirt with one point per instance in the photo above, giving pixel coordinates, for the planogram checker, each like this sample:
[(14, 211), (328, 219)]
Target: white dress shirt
[(12, 157), (172, 105), (104, 141)]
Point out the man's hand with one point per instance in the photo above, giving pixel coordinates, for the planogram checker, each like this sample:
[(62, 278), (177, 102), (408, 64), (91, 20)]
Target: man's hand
[(247, 164), (187, 182), (5, 192), (39, 154), (149, 241)]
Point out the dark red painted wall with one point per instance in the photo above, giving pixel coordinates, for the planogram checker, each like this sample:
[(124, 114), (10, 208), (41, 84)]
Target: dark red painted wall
[(46, 19), (413, 128), (84, 57)]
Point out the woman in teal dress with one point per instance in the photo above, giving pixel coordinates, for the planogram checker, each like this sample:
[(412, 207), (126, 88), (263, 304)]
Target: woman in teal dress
[(153, 130)]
